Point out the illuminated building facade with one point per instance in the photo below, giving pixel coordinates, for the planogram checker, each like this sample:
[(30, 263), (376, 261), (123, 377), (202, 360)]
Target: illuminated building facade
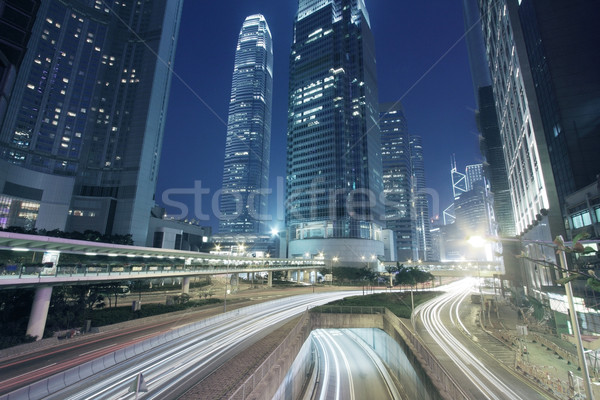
[(398, 180), (334, 171), (423, 222), (247, 148), (84, 126)]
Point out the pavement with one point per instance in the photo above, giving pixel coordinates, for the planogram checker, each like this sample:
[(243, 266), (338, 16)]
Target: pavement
[(540, 356)]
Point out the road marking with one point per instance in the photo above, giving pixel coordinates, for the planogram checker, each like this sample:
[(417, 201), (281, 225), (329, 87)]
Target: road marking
[(30, 372)]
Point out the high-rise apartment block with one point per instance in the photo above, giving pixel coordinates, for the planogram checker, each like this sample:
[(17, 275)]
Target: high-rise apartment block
[(247, 149), (334, 172), (81, 140)]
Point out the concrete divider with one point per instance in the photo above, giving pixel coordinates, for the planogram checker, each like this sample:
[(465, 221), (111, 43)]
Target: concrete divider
[(56, 383), (71, 376), (19, 394), (38, 390), (85, 370)]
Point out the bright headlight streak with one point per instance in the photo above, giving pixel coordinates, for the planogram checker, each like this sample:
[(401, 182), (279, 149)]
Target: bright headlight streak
[(221, 332), (455, 350), (346, 363)]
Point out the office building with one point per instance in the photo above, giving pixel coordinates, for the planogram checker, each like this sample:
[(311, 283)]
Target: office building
[(397, 179), (421, 205), (473, 174), (334, 172), (247, 149), (544, 64), (82, 136)]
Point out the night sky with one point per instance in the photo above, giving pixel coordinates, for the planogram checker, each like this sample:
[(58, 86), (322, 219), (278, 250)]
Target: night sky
[(421, 60)]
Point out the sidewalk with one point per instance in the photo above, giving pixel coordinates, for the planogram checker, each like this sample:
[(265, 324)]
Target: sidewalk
[(545, 359)]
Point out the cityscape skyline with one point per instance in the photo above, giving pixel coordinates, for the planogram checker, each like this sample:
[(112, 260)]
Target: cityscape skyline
[(197, 113)]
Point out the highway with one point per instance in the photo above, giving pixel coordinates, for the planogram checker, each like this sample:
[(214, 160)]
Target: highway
[(348, 369), (171, 368), (446, 327)]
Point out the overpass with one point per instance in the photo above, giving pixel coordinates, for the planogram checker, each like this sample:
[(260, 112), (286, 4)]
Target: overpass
[(121, 263)]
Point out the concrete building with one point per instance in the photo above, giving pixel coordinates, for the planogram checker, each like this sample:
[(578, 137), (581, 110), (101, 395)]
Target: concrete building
[(247, 148), (334, 172)]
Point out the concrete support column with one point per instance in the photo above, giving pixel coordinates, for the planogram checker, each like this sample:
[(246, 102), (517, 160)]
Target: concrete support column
[(185, 285), (289, 275), (300, 276), (39, 312), (253, 276), (270, 279)]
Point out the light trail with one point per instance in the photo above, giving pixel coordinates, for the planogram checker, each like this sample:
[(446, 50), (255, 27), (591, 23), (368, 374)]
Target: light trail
[(481, 377), (171, 368)]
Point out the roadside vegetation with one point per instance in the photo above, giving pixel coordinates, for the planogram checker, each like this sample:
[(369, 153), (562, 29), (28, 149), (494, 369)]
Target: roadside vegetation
[(398, 303)]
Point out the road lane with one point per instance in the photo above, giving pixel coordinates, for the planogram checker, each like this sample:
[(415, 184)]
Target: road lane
[(186, 359), (439, 322), (348, 368)]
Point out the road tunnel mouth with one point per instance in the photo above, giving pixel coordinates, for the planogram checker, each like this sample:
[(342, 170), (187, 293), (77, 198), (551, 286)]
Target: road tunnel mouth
[(355, 363)]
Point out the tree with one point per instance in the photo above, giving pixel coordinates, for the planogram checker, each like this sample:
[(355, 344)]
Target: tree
[(392, 270)]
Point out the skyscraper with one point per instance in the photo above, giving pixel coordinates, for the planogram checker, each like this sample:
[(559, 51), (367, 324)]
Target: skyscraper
[(544, 66), (420, 199), (334, 172), (247, 148), (474, 174), (398, 180), (487, 121), (82, 136)]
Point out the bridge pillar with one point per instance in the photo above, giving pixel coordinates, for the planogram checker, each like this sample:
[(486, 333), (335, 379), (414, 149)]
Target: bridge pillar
[(39, 312), (289, 275), (270, 279), (300, 275), (185, 285)]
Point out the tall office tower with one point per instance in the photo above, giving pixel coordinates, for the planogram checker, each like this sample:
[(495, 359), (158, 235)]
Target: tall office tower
[(495, 168), (423, 223), (82, 136), (397, 179), (474, 174), (544, 66), (487, 121), (16, 20), (334, 173), (247, 147)]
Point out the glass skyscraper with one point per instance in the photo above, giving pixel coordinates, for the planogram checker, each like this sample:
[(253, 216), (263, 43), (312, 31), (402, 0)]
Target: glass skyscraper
[(421, 205), (400, 215), (334, 171), (82, 136), (247, 148)]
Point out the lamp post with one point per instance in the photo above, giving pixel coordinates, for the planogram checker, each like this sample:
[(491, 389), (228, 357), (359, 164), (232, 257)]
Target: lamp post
[(333, 260), (560, 250)]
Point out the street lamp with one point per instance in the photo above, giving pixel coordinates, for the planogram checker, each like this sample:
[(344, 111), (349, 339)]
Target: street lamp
[(334, 260), (560, 250)]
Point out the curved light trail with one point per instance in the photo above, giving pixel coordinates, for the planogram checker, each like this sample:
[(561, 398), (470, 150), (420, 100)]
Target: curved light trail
[(486, 381), (172, 368)]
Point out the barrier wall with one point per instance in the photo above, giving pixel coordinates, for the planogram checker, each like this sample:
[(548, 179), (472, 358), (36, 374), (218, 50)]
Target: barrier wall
[(436, 382)]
